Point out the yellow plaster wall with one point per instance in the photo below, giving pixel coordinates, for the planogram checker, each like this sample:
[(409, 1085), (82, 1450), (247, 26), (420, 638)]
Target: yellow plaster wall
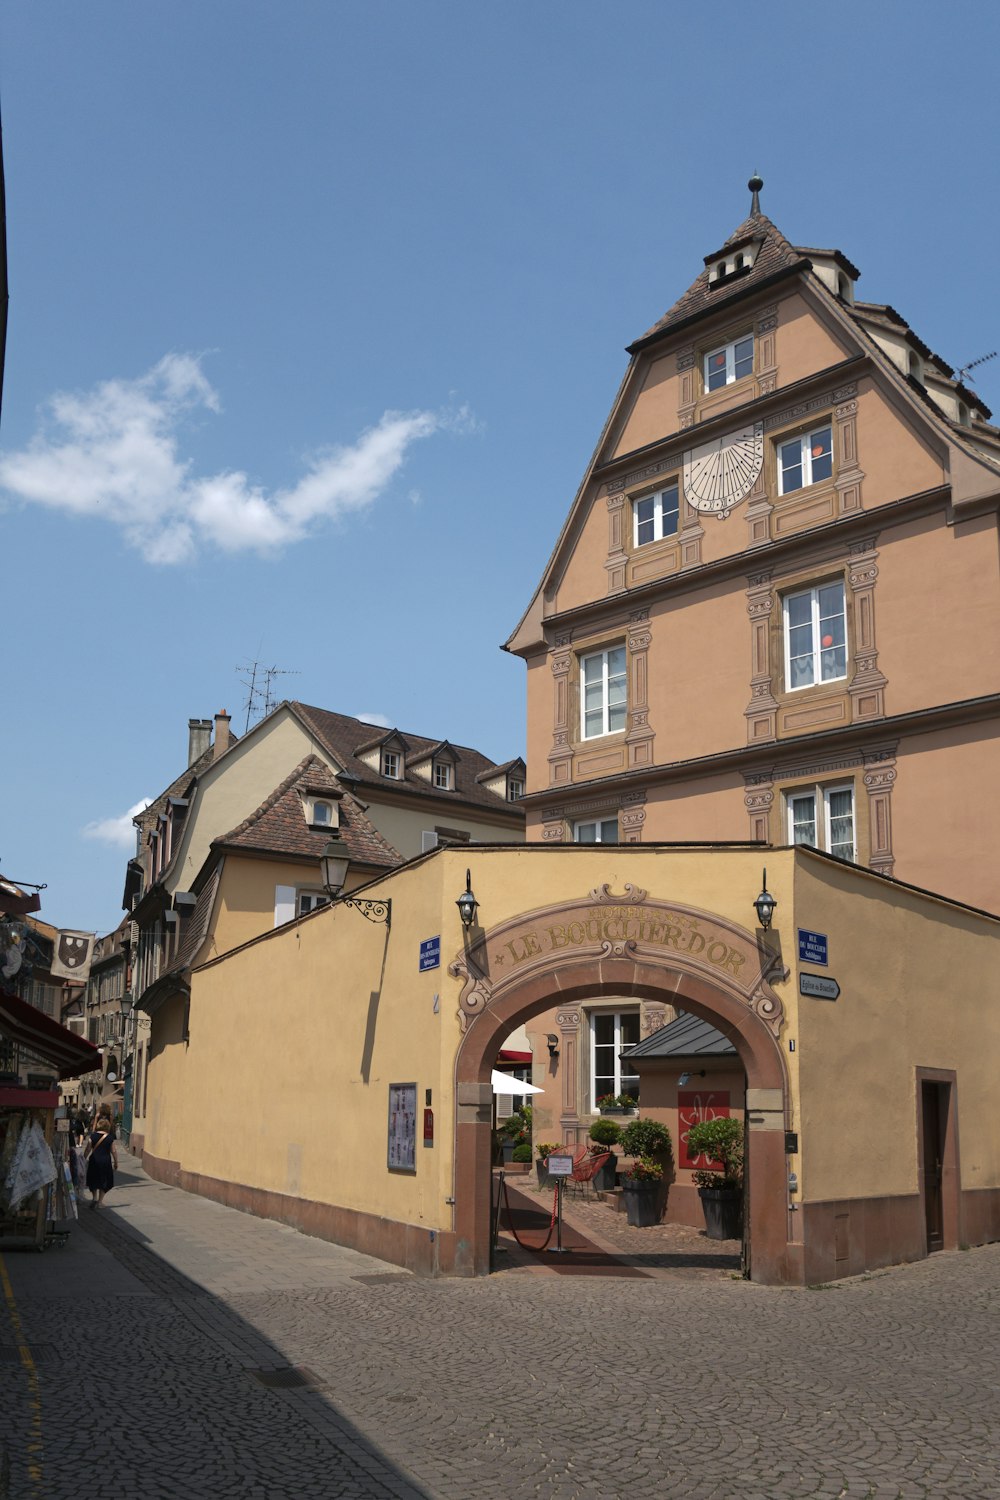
[(895, 460), (918, 985), (804, 343), (298, 1021)]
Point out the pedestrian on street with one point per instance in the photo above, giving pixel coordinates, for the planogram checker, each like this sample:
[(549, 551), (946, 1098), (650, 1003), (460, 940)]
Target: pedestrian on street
[(103, 1160)]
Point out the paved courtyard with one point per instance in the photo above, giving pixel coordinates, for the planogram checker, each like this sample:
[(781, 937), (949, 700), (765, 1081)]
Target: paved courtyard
[(176, 1348)]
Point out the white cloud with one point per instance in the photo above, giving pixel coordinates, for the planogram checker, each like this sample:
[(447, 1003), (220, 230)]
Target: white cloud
[(114, 452), (379, 719), (117, 831)]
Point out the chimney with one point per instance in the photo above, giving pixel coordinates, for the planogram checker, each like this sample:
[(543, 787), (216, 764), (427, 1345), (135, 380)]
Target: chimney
[(199, 738), (221, 733)]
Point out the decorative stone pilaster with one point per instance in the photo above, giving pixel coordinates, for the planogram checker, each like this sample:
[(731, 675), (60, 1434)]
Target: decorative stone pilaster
[(560, 757), (758, 799), (653, 1017), (632, 817), (688, 394), (879, 778), (766, 357), (554, 826), (617, 557), (867, 686), (570, 1055), (639, 737), (849, 472), (762, 711)]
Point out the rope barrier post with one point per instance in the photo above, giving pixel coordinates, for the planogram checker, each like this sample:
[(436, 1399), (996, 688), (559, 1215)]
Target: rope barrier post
[(495, 1247), (560, 1167)]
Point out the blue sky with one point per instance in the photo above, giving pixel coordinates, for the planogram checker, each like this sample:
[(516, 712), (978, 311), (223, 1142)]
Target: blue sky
[(317, 310)]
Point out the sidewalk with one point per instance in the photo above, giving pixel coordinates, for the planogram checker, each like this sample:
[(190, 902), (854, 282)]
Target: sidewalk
[(126, 1369)]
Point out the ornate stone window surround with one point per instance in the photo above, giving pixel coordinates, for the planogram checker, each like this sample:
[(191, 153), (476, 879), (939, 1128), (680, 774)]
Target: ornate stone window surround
[(871, 772), (566, 658), (628, 807), (766, 593)]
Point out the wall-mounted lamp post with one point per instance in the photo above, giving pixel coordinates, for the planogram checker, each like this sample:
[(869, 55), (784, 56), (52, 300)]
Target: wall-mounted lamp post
[(764, 905), (553, 1042), (694, 1073), (467, 903), (334, 863)]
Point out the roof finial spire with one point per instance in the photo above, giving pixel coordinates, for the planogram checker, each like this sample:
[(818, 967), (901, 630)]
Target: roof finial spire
[(755, 184)]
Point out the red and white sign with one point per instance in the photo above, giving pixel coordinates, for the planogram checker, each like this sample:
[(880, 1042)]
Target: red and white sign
[(693, 1107)]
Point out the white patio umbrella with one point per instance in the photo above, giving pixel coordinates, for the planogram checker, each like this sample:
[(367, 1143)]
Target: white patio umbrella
[(504, 1083)]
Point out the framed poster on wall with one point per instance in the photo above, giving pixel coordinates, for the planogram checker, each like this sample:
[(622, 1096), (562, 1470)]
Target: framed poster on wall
[(402, 1127)]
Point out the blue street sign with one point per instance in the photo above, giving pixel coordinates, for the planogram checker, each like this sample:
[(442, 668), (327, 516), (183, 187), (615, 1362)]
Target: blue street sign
[(430, 954), (812, 947)]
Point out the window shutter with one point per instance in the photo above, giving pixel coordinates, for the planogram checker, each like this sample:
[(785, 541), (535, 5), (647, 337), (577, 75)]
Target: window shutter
[(505, 1107), (284, 904), (428, 840)]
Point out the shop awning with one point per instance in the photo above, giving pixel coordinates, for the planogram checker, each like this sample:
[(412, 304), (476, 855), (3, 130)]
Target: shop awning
[(68, 1053)]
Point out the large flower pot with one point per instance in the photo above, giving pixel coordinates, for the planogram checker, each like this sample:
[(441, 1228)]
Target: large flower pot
[(723, 1210), (544, 1180), (605, 1179), (642, 1203)]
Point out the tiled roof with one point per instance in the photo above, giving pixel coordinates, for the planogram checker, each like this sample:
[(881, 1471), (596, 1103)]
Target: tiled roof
[(343, 736), (687, 1036), (775, 255), (278, 825)]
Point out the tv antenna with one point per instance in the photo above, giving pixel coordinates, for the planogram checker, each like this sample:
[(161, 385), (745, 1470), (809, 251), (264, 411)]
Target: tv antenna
[(963, 374), (259, 684)]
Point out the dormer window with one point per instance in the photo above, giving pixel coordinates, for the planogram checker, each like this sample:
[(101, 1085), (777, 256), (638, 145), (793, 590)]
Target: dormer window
[(391, 764), (322, 813), (444, 776), (916, 368), (734, 263), (515, 788), (729, 363)]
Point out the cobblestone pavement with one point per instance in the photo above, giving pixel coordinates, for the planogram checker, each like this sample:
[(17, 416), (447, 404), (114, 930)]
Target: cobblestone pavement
[(150, 1339)]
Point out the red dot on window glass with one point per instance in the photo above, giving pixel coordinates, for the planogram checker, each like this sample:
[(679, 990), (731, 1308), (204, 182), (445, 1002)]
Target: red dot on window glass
[(818, 450), (827, 642)]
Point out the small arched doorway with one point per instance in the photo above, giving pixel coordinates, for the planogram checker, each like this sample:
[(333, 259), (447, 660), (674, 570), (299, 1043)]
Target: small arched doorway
[(609, 947)]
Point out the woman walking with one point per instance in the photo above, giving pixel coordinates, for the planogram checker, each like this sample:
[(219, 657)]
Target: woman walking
[(103, 1160)]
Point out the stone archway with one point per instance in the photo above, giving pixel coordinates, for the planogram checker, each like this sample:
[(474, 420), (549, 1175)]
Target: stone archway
[(611, 946)]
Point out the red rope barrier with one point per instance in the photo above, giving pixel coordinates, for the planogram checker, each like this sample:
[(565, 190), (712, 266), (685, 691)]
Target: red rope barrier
[(510, 1220)]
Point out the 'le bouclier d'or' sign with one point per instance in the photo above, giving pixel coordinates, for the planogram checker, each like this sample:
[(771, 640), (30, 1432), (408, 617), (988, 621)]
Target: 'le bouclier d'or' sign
[(547, 934)]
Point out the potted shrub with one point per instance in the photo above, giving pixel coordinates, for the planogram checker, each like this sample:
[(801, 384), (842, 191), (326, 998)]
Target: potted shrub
[(646, 1138), (642, 1186), (605, 1134), (522, 1154), (616, 1104), (721, 1192), (543, 1151)]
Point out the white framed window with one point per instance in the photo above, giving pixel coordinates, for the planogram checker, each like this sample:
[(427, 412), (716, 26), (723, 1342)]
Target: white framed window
[(309, 900), (656, 516), (603, 692), (824, 818), (728, 363), (391, 764), (442, 776), (610, 1031), (596, 831), (815, 632), (804, 460), (515, 789), (322, 813)]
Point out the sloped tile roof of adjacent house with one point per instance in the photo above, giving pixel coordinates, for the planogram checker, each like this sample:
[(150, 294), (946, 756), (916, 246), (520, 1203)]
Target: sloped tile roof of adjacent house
[(280, 824), (687, 1036), (347, 740)]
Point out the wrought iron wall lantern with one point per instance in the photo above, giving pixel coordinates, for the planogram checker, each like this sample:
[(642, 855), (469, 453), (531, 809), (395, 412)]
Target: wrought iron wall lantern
[(764, 905), (334, 863), (467, 903)]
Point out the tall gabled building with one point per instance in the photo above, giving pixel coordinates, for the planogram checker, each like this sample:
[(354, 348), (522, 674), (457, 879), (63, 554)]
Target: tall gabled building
[(774, 609)]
